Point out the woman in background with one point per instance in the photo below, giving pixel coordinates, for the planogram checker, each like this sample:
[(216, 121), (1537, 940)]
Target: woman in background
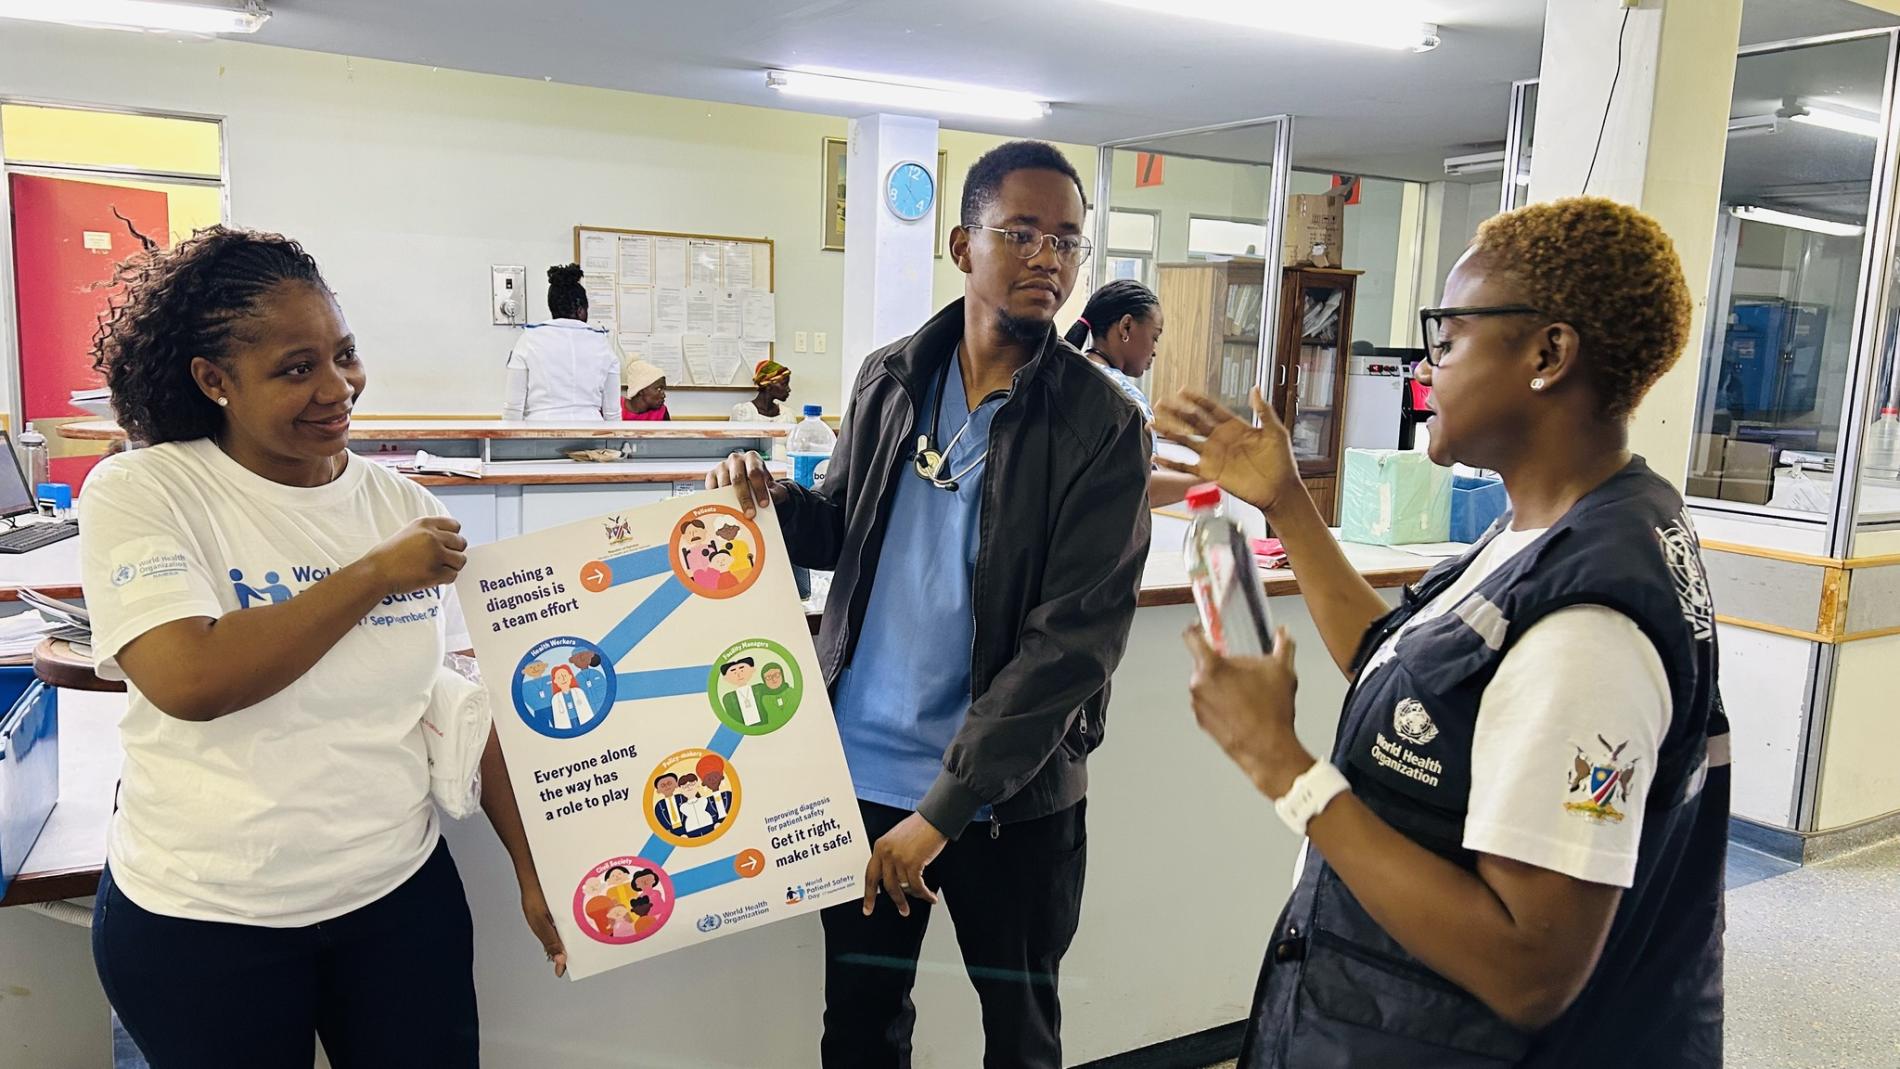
[(643, 392), (563, 371), (774, 381), (1118, 331)]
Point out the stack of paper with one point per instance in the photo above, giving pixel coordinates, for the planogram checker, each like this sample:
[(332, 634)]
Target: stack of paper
[(51, 618), (425, 463), (97, 402)]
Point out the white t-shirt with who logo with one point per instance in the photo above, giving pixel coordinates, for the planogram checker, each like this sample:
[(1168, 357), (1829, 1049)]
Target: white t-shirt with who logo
[(315, 801)]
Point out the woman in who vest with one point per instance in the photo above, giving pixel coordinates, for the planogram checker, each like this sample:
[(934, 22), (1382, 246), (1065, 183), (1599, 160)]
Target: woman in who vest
[(1515, 851)]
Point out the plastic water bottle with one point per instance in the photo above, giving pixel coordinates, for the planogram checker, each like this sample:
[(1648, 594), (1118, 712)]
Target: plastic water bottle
[(1226, 585), (809, 446), (33, 458), (1883, 442)]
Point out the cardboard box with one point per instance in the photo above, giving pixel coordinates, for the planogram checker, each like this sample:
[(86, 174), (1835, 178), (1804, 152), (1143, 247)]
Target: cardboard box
[(1725, 469), (1315, 230), (1748, 472), (1390, 497)]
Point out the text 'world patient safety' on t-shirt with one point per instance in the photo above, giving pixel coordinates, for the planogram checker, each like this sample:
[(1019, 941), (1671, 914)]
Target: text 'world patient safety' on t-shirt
[(315, 801)]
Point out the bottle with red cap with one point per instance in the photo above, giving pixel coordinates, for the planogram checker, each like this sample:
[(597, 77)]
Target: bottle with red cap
[(1883, 443), (1226, 585)]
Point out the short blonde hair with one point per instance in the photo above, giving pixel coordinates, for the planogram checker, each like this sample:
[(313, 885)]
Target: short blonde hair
[(1606, 269)]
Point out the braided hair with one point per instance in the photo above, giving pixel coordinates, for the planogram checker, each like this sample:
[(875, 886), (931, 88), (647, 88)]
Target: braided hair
[(176, 304), (1107, 306), (566, 298)]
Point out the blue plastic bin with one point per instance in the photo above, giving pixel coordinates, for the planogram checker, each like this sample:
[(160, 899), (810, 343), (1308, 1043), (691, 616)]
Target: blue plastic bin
[(1476, 504), (29, 765)]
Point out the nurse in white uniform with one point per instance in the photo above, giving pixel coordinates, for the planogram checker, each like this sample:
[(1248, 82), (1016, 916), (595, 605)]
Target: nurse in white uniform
[(563, 371)]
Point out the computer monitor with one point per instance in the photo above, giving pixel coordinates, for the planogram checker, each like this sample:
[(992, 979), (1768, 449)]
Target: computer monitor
[(16, 498)]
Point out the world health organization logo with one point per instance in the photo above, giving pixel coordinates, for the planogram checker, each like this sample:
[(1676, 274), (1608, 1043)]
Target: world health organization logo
[(708, 923)]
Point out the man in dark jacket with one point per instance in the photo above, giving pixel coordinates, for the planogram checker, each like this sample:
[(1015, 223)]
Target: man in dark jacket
[(985, 518)]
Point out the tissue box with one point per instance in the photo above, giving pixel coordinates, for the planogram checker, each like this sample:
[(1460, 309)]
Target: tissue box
[(1393, 498), (29, 766), (1475, 505)]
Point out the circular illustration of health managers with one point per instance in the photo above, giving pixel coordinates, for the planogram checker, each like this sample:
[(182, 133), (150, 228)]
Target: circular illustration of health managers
[(564, 687), (755, 687), (692, 798), (623, 900), (717, 552)]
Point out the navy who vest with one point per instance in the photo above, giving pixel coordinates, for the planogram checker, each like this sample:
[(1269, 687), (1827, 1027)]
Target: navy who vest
[(1337, 991)]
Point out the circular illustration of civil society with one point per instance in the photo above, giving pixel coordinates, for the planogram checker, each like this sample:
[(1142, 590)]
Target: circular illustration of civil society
[(564, 687), (755, 686), (623, 900), (717, 552), (692, 797)]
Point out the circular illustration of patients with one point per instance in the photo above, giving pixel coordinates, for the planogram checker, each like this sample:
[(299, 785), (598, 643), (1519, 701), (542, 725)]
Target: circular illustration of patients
[(564, 687), (623, 900), (755, 687), (717, 552), (692, 798)]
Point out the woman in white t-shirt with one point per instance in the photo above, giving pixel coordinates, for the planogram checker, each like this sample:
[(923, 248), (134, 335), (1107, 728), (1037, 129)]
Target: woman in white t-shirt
[(1517, 842), (563, 370), (275, 869)]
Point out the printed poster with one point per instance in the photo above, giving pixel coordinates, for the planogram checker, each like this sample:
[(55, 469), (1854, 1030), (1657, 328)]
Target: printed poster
[(666, 726)]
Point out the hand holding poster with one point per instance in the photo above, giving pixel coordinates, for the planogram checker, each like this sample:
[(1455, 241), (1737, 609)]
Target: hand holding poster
[(668, 737)]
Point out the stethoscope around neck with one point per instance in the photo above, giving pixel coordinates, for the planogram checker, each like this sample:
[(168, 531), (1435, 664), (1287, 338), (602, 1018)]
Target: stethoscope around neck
[(929, 463)]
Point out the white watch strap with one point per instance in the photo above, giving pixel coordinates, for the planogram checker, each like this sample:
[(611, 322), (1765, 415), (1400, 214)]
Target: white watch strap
[(1309, 795)]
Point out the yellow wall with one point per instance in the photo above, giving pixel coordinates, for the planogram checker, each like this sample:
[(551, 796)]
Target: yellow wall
[(110, 139), (34, 134)]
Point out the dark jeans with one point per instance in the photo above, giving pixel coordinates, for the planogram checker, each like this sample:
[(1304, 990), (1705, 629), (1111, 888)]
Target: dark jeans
[(391, 983), (1014, 900)]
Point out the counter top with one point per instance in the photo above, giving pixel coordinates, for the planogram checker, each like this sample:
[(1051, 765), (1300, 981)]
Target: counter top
[(578, 473), (393, 430)]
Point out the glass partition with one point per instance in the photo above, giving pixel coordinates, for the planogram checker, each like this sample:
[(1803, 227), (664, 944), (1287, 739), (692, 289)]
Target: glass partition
[(1205, 200), (1797, 199)]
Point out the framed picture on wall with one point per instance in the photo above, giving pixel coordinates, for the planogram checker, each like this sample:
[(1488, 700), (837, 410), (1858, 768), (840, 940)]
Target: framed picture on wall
[(832, 198), (831, 195)]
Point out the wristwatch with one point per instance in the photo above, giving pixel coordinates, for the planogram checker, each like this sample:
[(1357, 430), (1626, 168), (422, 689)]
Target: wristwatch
[(1310, 794)]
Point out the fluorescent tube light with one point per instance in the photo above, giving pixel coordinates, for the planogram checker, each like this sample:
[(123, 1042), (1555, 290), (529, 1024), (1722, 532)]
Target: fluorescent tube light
[(1753, 125), (1751, 214), (902, 96), (168, 15), (1394, 24), (1846, 120), (1476, 163)]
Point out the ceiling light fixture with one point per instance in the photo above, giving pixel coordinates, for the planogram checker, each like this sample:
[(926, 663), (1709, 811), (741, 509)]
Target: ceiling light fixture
[(1393, 24), (931, 98), (1476, 163), (164, 15), (1845, 120), (1750, 214), (1753, 125)]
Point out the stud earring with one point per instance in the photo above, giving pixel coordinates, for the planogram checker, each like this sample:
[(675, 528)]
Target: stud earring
[(1537, 384), (224, 402)]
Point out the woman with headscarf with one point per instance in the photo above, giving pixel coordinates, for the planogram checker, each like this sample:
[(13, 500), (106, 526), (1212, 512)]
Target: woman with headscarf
[(643, 393), (774, 381)]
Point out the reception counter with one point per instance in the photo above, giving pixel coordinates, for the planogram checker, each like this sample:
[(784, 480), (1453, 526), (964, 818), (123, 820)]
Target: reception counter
[(1187, 868)]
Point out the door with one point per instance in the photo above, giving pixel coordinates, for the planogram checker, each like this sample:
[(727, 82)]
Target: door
[(67, 240)]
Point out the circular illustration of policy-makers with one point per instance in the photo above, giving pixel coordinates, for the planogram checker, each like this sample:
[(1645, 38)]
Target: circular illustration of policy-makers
[(564, 687), (755, 687), (692, 798), (623, 900), (717, 552)]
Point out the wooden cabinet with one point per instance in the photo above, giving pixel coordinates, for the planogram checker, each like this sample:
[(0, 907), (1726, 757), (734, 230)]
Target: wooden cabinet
[(1212, 344), (1212, 340), (1313, 345)]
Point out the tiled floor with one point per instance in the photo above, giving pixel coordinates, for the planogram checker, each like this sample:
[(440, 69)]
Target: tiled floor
[(1813, 962)]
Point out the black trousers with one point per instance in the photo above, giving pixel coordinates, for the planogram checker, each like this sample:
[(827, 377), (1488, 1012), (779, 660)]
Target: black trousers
[(389, 984), (1015, 899)]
